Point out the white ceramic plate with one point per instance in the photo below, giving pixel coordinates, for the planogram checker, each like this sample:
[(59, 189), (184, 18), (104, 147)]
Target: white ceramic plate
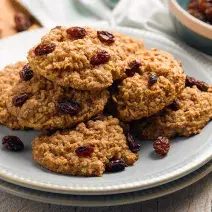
[(185, 156), (107, 200)]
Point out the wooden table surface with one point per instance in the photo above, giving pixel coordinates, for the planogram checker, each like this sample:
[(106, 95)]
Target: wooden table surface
[(195, 198)]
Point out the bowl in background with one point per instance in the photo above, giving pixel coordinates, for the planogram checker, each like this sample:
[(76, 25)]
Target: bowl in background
[(191, 30)]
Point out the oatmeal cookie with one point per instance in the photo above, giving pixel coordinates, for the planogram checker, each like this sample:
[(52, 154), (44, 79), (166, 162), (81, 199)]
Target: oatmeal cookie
[(154, 85), (186, 116), (41, 104), (99, 142), (9, 76), (83, 58)]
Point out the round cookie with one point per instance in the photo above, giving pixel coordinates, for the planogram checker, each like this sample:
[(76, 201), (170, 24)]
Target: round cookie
[(185, 117), (155, 84), (42, 104), (9, 77), (58, 151), (84, 63)]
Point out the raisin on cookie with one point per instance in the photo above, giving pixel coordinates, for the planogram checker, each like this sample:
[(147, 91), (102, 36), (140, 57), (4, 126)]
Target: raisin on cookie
[(85, 150), (186, 116), (9, 77), (151, 87), (41, 104), (83, 58)]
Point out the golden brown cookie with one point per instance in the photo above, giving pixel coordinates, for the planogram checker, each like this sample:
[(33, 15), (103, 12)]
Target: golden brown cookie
[(156, 83), (41, 104), (186, 116), (83, 58), (9, 76), (85, 150)]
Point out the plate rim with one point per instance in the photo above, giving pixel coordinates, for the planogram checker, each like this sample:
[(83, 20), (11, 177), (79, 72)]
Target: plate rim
[(132, 186), (110, 200)]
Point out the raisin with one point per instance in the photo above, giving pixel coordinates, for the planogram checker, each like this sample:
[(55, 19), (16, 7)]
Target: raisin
[(130, 72), (84, 151), (161, 145), (44, 49), (193, 4), (22, 22), (106, 37), (204, 5), (100, 57), (152, 79), (76, 32), (115, 166), (174, 105), (134, 67), (201, 9), (133, 146), (20, 99), (12, 143), (196, 13), (191, 81), (26, 73), (68, 106), (202, 85)]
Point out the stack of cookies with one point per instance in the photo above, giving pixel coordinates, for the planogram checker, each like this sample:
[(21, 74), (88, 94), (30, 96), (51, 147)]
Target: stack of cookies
[(76, 74), (161, 100)]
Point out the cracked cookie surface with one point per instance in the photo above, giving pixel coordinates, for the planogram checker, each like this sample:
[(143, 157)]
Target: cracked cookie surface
[(139, 96), (193, 113), (70, 63), (49, 106), (9, 76), (58, 151)]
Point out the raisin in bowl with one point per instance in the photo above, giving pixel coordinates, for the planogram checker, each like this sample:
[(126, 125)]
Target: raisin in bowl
[(193, 23)]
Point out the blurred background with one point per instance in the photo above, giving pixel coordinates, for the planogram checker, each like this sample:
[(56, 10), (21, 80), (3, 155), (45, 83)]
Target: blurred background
[(188, 20), (8, 10)]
